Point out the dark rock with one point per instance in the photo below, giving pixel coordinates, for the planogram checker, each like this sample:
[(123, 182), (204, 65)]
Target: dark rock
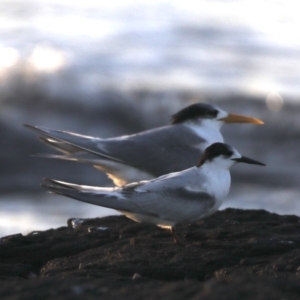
[(234, 254)]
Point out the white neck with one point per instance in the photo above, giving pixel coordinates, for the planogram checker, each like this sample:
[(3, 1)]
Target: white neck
[(207, 129), (218, 178)]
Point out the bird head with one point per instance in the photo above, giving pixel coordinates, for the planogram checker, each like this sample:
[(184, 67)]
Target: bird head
[(210, 114), (224, 156)]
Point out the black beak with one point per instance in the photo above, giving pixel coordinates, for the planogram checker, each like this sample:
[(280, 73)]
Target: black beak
[(248, 161)]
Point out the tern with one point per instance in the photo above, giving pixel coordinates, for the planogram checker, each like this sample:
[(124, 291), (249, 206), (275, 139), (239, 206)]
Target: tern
[(178, 197), (148, 154)]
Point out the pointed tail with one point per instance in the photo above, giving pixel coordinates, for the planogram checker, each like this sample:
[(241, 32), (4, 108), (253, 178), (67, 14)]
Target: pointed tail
[(105, 197)]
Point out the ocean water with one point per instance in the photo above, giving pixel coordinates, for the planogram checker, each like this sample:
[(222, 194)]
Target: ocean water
[(110, 68), (34, 212), (246, 46)]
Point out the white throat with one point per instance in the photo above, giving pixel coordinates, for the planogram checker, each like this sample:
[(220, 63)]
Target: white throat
[(208, 130), (218, 179)]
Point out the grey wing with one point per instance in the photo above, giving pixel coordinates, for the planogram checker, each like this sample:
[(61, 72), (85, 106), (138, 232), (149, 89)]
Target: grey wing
[(157, 151), (200, 203), (60, 146), (106, 197), (71, 143), (176, 197), (179, 205), (160, 151)]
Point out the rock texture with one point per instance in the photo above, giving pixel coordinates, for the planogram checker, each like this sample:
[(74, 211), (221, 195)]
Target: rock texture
[(234, 254)]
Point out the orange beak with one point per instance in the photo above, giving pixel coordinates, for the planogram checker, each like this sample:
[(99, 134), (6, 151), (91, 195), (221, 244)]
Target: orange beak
[(231, 118)]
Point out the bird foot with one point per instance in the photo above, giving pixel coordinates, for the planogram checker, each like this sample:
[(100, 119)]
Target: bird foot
[(178, 241)]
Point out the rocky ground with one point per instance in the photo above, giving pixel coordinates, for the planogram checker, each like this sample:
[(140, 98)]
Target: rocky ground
[(234, 254)]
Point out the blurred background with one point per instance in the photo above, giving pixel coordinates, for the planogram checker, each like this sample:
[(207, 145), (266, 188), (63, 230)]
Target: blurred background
[(107, 68)]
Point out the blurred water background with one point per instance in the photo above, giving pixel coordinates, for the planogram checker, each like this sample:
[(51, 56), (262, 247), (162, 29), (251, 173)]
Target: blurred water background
[(107, 68)]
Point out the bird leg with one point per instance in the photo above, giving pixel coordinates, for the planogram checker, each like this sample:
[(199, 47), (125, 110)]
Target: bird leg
[(175, 237)]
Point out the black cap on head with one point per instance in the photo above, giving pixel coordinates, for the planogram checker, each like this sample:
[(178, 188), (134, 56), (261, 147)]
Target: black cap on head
[(221, 149), (215, 150), (194, 111)]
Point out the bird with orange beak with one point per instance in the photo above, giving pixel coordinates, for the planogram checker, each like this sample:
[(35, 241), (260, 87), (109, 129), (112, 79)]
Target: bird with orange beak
[(148, 154)]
